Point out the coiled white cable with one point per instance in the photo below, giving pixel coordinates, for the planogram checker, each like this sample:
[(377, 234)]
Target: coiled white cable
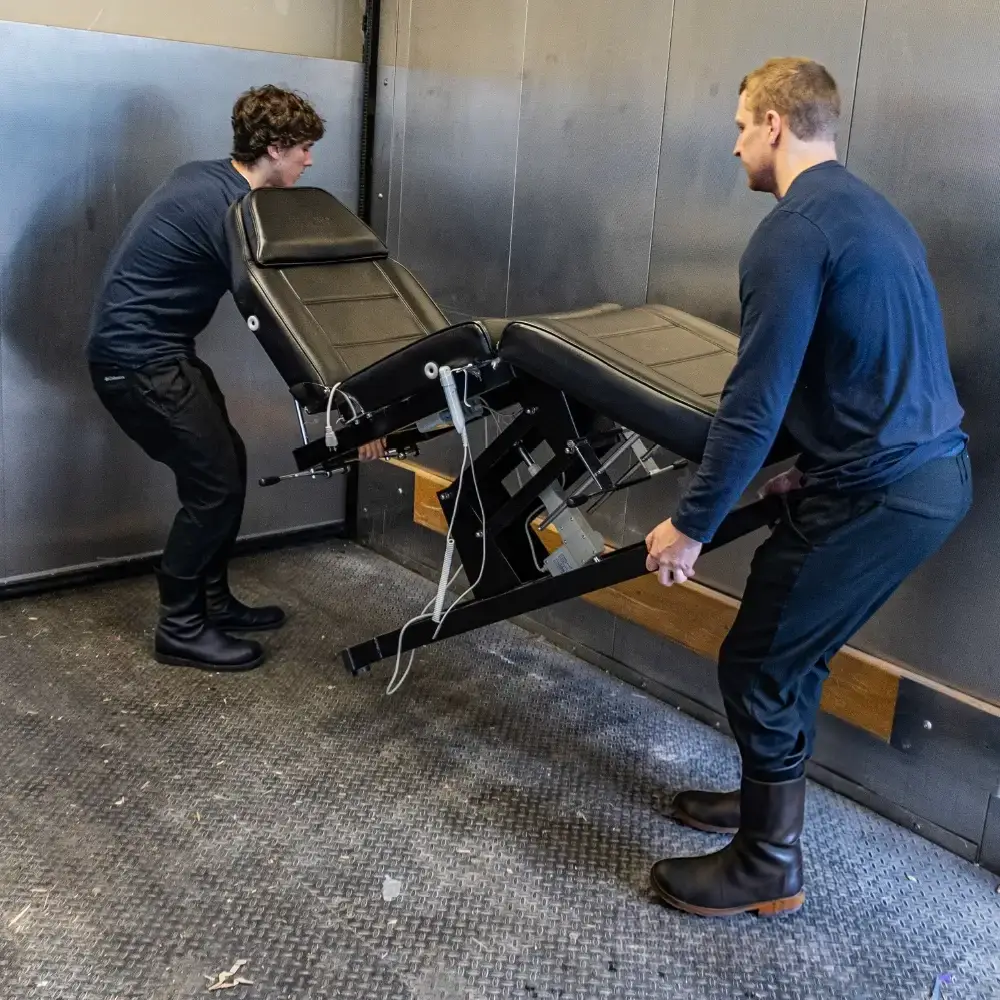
[(446, 377), (395, 684)]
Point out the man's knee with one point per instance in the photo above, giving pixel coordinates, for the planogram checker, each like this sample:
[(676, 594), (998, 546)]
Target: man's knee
[(231, 497), (736, 668), (221, 495), (240, 450)]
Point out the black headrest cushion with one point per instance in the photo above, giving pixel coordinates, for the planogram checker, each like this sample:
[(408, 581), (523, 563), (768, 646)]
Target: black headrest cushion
[(305, 226)]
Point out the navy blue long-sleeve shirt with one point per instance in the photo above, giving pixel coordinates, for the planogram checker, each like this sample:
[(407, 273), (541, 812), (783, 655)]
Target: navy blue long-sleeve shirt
[(164, 281), (842, 340)]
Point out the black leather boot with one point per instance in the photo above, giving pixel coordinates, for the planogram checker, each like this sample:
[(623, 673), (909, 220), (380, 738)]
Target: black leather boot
[(759, 871), (231, 615), (184, 638), (712, 812)]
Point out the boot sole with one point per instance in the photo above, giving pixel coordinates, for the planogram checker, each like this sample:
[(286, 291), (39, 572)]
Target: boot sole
[(242, 629), (215, 668), (216, 623), (685, 820), (769, 908)]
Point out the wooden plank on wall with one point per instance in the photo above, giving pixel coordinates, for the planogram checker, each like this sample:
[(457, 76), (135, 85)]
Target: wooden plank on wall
[(860, 690)]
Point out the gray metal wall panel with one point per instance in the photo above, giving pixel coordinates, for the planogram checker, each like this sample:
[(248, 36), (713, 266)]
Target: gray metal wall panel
[(704, 212), (925, 134), (3, 497), (400, 80), (588, 152), (459, 149), (384, 117), (106, 118), (989, 855)]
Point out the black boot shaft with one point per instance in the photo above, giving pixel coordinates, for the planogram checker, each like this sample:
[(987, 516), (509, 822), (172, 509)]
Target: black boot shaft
[(225, 612), (711, 812), (185, 638), (773, 813)]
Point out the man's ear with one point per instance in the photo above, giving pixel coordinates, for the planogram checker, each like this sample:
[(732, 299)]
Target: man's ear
[(774, 127), (274, 152)]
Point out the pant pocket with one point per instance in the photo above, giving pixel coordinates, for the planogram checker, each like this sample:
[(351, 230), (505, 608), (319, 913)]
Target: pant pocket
[(167, 388), (941, 490), (816, 518)]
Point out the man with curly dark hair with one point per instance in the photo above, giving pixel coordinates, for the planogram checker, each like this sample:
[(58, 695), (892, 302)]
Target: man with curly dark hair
[(273, 134), (160, 290)]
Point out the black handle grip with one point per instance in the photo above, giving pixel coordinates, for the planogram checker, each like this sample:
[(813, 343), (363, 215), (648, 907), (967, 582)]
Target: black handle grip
[(270, 481)]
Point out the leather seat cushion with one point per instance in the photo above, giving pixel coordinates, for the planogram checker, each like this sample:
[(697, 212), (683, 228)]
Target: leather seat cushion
[(401, 374), (656, 370)]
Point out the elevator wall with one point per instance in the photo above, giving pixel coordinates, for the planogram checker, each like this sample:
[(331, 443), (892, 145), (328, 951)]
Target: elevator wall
[(323, 28), (540, 155), (92, 124)]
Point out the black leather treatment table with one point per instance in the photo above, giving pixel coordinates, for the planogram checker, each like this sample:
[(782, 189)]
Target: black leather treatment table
[(355, 336)]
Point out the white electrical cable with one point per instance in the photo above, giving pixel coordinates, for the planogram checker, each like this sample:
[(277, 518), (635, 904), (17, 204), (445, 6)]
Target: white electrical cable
[(531, 535), (482, 560), (395, 685), (437, 602), (330, 436), (451, 394)]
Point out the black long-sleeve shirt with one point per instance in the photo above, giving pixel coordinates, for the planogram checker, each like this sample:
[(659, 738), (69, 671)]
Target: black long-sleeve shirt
[(842, 340), (169, 271)]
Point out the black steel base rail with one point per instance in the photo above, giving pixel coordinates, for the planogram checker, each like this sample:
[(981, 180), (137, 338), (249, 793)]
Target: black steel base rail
[(606, 571)]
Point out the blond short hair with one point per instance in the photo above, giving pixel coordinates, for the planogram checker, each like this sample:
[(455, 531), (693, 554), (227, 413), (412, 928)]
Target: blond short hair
[(800, 90)]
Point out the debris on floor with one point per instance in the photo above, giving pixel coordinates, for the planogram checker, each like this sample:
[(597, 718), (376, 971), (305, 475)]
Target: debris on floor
[(945, 979), (231, 979), (391, 888)]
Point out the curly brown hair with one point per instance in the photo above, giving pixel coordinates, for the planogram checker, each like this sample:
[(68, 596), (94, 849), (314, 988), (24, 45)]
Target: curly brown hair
[(269, 116)]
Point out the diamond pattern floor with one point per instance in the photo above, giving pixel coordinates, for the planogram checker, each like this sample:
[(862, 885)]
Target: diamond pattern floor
[(157, 825)]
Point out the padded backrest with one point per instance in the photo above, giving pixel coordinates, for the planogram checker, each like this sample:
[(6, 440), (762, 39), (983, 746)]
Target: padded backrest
[(305, 226), (324, 298)]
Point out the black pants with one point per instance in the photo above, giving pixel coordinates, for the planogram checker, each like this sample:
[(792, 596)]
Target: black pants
[(177, 414), (828, 566)]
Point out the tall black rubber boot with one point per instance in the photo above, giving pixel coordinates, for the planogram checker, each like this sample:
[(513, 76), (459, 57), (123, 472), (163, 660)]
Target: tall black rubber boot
[(184, 638), (225, 612), (759, 871), (712, 812)]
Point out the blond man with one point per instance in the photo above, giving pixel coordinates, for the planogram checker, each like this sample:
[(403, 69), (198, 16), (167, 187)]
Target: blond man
[(842, 345)]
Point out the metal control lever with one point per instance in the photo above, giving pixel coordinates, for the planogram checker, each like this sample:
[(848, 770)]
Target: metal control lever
[(407, 452), (274, 480)]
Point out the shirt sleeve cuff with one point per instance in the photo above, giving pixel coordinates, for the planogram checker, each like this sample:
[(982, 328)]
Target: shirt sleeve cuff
[(691, 527)]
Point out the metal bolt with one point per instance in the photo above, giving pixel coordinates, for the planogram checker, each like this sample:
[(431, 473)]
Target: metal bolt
[(400, 490), (928, 724), (479, 534), (385, 82), (381, 195)]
